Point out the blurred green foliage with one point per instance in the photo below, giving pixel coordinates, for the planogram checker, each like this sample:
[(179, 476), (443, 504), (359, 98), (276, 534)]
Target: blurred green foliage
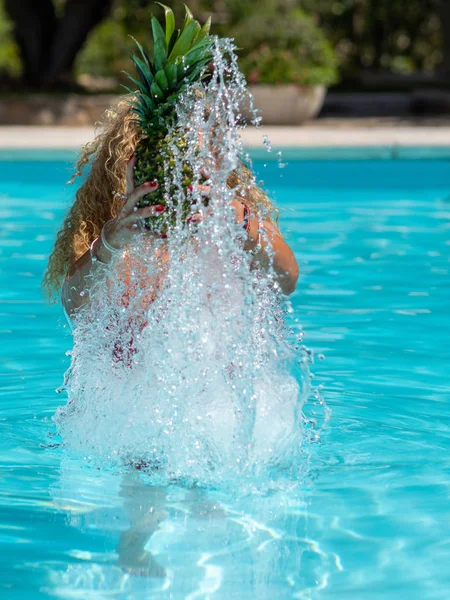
[(301, 52), (277, 66), (282, 44), (391, 35), (107, 51), (9, 53), (108, 48)]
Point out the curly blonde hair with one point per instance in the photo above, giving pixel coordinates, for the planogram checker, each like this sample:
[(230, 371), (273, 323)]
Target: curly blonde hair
[(97, 201)]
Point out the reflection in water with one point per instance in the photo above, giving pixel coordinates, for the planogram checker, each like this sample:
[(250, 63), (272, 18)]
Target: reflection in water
[(144, 507), (184, 543)]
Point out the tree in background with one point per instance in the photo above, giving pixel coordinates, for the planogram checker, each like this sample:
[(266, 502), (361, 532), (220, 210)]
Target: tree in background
[(282, 44), (396, 36), (444, 13), (402, 36), (108, 50), (10, 63), (51, 35)]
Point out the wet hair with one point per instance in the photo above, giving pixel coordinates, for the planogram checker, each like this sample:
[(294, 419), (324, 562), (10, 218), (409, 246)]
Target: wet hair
[(97, 201)]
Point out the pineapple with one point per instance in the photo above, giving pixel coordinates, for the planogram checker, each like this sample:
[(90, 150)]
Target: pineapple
[(180, 58)]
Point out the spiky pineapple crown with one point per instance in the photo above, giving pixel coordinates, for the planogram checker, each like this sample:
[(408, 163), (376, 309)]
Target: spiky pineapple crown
[(180, 58)]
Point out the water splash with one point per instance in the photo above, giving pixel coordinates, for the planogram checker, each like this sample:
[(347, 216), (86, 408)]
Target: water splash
[(182, 366)]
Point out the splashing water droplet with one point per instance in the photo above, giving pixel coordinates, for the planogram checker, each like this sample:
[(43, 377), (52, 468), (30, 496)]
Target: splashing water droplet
[(188, 367), (267, 143)]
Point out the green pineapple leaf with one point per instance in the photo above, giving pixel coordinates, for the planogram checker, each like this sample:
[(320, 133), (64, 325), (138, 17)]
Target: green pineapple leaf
[(164, 109), (147, 102), (143, 104), (161, 80), (159, 55), (170, 22), (143, 53), (201, 49), (205, 43), (129, 90), (185, 69), (189, 18), (137, 108), (198, 28), (171, 73), (139, 84), (204, 31), (144, 73), (157, 93), (173, 97), (198, 72), (173, 40), (158, 33), (184, 42), (182, 69)]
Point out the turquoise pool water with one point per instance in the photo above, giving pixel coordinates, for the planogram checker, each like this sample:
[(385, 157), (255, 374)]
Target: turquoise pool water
[(371, 519)]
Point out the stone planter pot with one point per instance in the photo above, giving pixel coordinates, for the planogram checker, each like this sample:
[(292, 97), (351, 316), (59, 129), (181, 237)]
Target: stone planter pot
[(279, 105), (287, 104)]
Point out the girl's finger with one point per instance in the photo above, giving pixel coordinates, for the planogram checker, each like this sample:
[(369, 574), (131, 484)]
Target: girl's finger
[(238, 210), (137, 194), (130, 175), (143, 213), (150, 211), (196, 217), (204, 190)]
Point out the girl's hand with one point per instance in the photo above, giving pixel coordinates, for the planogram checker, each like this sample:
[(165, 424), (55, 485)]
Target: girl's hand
[(128, 222), (239, 209), (247, 219)]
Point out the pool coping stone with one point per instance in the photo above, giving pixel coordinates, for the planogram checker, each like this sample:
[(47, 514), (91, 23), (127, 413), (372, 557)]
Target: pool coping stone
[(339, 140)]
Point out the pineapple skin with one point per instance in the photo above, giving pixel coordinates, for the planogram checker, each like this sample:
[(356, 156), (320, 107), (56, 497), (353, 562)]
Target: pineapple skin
[(151, 153), (180, 58)]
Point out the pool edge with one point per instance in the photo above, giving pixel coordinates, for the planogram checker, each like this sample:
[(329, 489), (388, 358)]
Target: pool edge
[(261, 154)]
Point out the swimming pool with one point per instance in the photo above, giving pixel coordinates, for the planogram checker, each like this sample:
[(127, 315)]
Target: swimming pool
[(371, 521)]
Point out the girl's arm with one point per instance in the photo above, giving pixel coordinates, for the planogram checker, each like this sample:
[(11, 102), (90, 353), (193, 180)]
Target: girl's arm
[(120, 231), (278, 255), (76, 286), (283, 260)]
